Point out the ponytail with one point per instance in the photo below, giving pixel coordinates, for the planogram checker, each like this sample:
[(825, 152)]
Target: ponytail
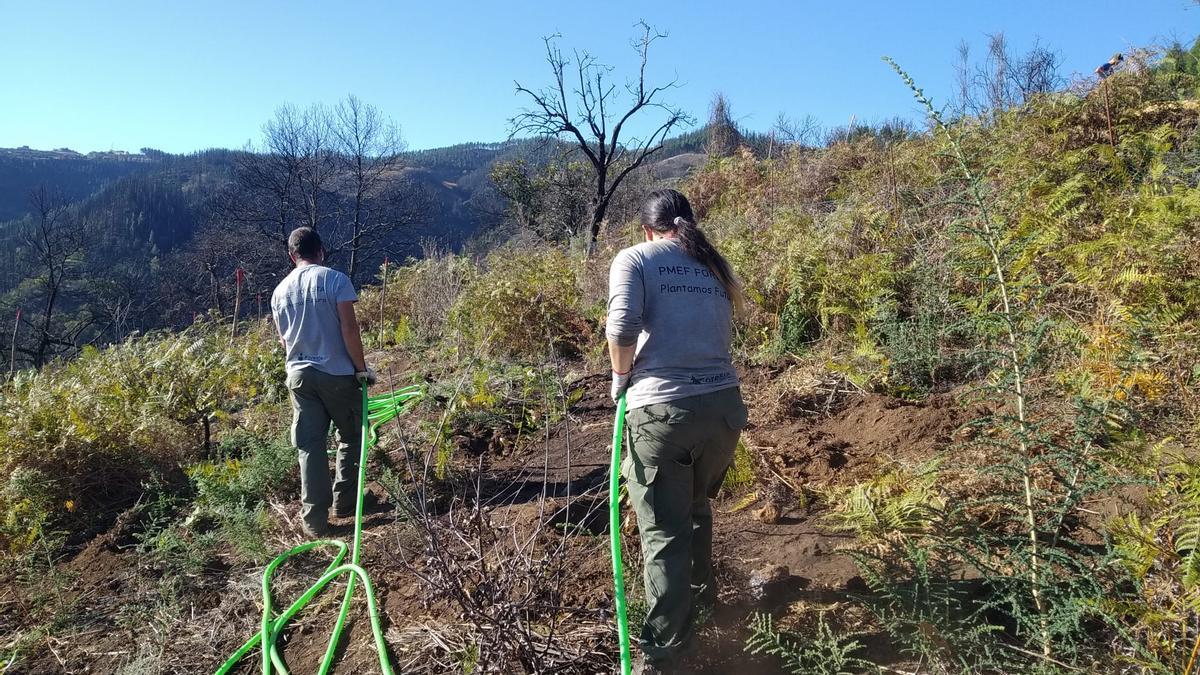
[(698, 246), (669, 211)]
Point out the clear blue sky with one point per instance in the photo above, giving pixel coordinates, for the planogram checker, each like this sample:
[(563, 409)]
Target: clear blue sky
[(181, 76)]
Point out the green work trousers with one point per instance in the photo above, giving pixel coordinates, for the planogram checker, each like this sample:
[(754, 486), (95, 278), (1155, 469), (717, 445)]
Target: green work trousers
[(319, 398), (679, 452)]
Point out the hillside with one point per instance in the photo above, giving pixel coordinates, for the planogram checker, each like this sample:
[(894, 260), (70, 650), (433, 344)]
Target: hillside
[(462, 170), (77, 175), (154, 239), (95, 178), (969, 353)]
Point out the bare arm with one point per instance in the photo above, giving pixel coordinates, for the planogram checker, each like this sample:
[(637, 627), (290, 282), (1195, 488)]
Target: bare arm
[(621, 356), (279, 333), (351, 336)]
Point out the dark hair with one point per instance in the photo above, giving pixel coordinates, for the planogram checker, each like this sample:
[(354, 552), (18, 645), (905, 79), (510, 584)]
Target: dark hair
[(669, 211), (304, 243)]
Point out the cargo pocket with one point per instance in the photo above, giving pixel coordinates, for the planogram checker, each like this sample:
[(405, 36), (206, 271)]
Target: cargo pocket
[(638, 473), (632, 467), (660, 435), (639, 480), (669, 414), (736, 417)]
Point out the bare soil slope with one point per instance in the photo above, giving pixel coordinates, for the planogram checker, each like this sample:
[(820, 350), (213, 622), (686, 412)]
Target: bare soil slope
[(117, 590)]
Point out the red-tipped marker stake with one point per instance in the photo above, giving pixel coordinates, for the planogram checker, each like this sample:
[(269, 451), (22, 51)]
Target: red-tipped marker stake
[(382, 295), (12, 359), (238, 275)]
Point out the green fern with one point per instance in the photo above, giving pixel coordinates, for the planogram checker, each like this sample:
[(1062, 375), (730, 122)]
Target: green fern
[(824, 654), (898, 501)]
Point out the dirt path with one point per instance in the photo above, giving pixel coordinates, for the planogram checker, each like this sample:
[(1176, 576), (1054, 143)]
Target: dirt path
[(558, 479), (863, 436)]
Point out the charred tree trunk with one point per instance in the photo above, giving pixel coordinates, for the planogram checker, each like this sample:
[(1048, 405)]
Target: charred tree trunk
[(39, 358), (356, 238), (587, 115)]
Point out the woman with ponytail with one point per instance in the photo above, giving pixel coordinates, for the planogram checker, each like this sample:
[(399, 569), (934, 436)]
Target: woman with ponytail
[(670, 312)]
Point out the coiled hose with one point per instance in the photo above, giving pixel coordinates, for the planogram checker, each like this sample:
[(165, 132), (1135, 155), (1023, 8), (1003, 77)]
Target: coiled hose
[(377, 410)]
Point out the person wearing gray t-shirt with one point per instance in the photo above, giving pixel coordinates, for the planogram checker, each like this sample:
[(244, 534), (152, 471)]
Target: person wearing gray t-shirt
[(671, 303), (313, 308)]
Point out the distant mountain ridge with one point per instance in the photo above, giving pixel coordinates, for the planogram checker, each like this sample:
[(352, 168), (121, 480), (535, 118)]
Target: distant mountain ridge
[(150, 239), (456, 172), (74, 174), (25, 152)]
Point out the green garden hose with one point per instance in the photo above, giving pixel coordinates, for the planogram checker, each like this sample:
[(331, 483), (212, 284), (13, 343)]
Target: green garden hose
[(614, 529), (377, 410)]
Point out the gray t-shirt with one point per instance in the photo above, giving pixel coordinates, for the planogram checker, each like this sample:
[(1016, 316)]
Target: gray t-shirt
[(680, 317), (305, 307)]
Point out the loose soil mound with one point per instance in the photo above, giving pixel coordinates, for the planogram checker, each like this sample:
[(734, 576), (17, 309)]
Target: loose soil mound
[(868, 433)]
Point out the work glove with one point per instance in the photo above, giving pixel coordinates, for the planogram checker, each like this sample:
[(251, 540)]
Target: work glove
[(620, 382), (366, 377)]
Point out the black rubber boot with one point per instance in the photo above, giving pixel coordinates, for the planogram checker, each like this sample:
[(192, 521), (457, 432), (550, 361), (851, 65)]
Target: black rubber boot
[(316, 531)]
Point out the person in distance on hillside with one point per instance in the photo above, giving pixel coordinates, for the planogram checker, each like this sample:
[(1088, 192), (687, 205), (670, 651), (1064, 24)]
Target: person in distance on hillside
[(313, 308), (1108, 68), (670, 314)]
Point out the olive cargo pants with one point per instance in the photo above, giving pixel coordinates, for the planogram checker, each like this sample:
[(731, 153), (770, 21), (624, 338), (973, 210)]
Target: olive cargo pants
[(319, 398), (679, 453)]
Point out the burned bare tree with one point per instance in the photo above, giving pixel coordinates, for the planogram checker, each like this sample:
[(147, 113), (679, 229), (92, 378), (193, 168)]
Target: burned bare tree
[(283, 184), (723, 134), (319, 161), (1004, 79), (338, 171), (400, 203), (202, 273), (115, 297), (805, 132), (369, 147), (588, 116), (55, 238)]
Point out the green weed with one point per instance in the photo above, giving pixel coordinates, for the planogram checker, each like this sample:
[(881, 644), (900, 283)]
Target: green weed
[(741, 471), (525, 304), (824, 653)]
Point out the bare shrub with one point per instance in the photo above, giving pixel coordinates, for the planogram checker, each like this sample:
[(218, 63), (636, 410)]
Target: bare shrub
[(415, 299), (525, 300), (508, 552)]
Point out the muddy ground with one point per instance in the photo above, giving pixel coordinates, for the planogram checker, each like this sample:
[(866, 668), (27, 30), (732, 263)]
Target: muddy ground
[(136, 619)]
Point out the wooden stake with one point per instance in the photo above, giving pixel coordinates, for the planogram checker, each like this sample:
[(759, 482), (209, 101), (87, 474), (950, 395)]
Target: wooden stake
[(1112, 139), (12, 359), (1192, 659), (237, 302), (892, 181), (382, 296)]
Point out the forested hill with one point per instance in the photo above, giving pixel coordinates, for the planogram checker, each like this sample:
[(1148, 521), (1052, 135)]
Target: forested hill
[(110, 243), (76, 177), (460, 171), (118, 242), (75, 174)]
